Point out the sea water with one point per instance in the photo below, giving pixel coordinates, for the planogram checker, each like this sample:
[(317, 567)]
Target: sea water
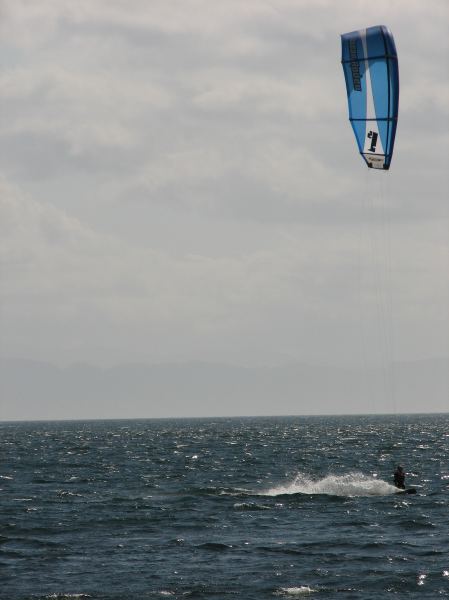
[(252, 508)]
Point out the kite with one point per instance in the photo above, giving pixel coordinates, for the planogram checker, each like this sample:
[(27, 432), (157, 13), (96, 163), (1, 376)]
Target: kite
[(370, 65)]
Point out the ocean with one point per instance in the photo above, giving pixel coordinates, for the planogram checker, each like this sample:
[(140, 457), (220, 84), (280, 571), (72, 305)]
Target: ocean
[(229, 508)]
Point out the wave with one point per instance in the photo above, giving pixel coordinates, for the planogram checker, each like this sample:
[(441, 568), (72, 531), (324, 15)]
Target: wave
[(66, 596), (250, 506), (215, 546), (351, 484), (296, 591)]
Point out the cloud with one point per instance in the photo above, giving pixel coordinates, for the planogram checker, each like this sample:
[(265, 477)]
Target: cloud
[(182, 179), (116, 87), (59, 273), (86, 114), (76, 292)]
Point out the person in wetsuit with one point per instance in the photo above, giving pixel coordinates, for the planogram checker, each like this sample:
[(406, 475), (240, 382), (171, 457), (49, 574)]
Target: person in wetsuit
[(399, 478)]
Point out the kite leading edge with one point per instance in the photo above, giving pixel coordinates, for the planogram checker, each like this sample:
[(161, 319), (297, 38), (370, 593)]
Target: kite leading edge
[(370, 65)]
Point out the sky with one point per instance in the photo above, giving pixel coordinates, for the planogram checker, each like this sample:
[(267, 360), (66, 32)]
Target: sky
[(179, 182)]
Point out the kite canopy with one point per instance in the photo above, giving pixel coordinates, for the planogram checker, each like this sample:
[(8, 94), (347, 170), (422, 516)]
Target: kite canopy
[(370, 65)]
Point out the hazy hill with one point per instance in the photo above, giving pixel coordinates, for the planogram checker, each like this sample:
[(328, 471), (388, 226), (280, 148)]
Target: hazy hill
[(35, 390)]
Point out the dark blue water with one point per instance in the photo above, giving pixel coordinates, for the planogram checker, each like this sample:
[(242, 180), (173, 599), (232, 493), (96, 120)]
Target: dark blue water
[(224, 508)]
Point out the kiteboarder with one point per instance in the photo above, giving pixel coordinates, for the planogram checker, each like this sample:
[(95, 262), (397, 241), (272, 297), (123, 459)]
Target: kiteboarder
[(399, 478)]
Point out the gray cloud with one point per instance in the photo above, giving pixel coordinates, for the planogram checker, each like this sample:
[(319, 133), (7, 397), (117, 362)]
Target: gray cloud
[(180, 181)]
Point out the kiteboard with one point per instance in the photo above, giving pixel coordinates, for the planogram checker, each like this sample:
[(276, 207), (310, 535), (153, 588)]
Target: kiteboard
[(406, 491)]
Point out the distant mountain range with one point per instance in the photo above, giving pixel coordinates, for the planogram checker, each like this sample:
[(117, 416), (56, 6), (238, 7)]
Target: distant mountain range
[(37, 390)]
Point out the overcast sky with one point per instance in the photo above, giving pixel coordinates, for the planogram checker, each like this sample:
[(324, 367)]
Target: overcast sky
[(179, 181)]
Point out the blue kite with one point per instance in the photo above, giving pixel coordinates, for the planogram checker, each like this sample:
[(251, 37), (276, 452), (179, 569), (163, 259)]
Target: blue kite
[(370, 65)]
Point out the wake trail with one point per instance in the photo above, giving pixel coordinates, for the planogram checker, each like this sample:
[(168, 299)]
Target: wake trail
[(351, 484)]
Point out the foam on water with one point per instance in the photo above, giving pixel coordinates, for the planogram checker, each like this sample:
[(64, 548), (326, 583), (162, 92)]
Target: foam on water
[(302, 590), (351, 484), (66, 596)]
